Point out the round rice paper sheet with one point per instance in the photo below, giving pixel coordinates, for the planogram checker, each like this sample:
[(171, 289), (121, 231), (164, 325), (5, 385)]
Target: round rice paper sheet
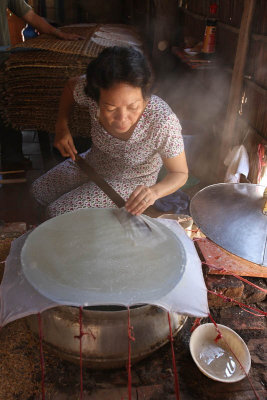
[(87, 257)]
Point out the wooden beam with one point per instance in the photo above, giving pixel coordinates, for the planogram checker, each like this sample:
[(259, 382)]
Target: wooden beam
[(262, 38), (237, 79), (8, 181), (228, 27), (255, 36), (248, 79), (256, 87), (18, 171)]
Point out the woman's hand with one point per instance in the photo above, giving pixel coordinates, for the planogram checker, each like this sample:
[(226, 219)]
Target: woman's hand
[(64, 142), (141, 198), (144, 196)]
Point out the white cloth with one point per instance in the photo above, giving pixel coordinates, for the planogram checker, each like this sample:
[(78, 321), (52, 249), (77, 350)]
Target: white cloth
[(237, 162), (188, 296)]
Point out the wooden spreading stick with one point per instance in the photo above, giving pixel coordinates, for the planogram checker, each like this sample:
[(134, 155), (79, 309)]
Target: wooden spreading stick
[(107, 189)]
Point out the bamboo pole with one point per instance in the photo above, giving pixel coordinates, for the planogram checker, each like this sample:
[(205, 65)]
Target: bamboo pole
[(19, 171), (237, 80)]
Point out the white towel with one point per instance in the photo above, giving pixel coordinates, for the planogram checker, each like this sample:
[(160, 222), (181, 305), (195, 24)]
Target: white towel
[(238, 163)]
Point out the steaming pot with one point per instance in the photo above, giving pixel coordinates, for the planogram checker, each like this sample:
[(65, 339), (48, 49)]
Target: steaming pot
[(106, 343)]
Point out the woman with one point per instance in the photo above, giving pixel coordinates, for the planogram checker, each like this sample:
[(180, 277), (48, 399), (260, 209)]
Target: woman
[(133, 134)]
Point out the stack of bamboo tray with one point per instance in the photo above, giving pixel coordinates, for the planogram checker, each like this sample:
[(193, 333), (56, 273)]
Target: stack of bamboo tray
[(36, 71)]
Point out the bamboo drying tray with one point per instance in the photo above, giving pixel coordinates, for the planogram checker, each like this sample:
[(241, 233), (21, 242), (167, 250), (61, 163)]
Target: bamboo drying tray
[(36, 71)]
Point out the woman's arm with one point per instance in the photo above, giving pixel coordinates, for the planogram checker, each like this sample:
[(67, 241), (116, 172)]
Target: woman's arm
[(63, 139), (144, 196), (176, 177), (44, 27)]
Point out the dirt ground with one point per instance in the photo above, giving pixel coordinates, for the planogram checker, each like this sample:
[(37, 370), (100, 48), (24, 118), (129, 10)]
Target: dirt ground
[(152, 378)]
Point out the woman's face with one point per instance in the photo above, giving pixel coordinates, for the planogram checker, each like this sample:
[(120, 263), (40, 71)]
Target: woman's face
[(120, 108)]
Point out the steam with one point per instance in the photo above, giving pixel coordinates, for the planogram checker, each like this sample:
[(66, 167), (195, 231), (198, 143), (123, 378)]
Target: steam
[(200, 105)]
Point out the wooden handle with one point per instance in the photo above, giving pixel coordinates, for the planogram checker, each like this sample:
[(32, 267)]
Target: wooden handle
[(99, 181)]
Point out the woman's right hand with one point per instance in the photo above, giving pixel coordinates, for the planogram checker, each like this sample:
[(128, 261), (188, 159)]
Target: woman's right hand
[(64, 142)]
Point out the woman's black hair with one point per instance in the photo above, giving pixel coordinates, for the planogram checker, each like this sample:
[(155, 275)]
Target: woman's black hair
[(118, 65)]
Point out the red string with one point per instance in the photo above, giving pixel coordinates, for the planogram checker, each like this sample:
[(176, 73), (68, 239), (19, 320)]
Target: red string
[(220, 336), (195, 324), (242, 305), (191, 230), (250, 312), (176, 382), (261, 163), (250, 283), (41, 354), (81, 358), (223, 270), (80, 336), (130, 339)]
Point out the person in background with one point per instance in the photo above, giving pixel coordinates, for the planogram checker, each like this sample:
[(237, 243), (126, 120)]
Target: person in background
[(133, 134), (11, 139)]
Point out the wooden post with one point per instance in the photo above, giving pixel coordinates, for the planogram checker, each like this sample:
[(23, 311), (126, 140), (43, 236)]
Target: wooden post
[(237, 79)]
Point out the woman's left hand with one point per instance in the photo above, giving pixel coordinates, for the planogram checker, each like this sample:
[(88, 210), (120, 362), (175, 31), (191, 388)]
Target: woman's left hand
[(141, 198)]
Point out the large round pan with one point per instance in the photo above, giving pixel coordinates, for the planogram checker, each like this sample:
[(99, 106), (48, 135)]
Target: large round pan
[(230, 214)]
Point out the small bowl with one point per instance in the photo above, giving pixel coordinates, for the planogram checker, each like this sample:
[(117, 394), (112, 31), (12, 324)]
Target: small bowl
[(215, 359), (190, 52)]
